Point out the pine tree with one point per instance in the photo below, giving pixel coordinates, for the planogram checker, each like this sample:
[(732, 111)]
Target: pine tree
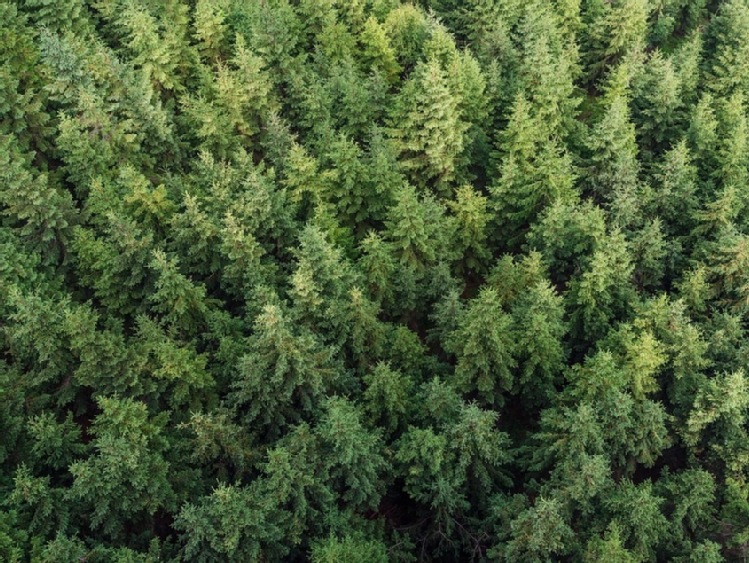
[(353, 454), (727, 45), (538, 317), (130, 453), (614, 171), (377, 51), (603, 291), (732, 165), (387, 397), (408, 29), (42, 213), (538, 533), (229, 112), (548, 68), (283, 376), (319, 283), (154, 46), (485, 348), (22, 95), (210, 28), (566, 236), (675, 198), (613, 30), (534, 171), (609, 547), (657, 100), (637, 510), (427, 128), (472, 218), (418, 228)]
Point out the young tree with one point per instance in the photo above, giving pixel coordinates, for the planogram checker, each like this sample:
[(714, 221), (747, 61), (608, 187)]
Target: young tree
[(613, 30), (42, 213), (233, 103), (658, 101), (727, 45), (602, 293), (377, 52), (614, 166)]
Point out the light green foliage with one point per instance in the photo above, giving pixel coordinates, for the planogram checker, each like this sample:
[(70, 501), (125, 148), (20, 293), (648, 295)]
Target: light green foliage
[(230, 110), (353, 454), (603, 289), (349, 549), (231, 523), (418, 228), (453, 470), (732, 164), (658, 100), (537, 533), (609, 547), (613, 30), (388, 395), (22, 95), (320, 281), (567, 235), (727, 68), (675, 194), (42, 213), (210, 27), (538, 314), (408, 29), (377, 51), (472, 218), (428, 128), (549, 66), (721, 405), (615, 169), (637, 510)]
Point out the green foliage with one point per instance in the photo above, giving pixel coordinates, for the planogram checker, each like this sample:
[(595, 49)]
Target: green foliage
[(613, 30), (428, 129), (534, 170), (349, 549), (374, 280), (128, 476), (727, 35), (537, 533), (299, 367), (484, 347)]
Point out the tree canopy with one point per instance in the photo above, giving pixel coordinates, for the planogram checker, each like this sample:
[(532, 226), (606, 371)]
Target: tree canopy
[(374, 280)]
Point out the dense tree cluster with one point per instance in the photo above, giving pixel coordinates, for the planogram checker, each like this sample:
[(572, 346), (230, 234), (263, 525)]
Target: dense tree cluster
[(371, 280)]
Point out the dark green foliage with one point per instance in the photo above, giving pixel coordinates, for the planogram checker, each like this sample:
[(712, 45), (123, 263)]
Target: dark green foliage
[(374, 280)]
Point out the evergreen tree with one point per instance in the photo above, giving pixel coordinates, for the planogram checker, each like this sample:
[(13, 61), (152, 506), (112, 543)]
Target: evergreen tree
[(727, 45), (129, 462), (484, 346), (614, 172), (428, 130), (373, 280), (300, 372), (534, 170)]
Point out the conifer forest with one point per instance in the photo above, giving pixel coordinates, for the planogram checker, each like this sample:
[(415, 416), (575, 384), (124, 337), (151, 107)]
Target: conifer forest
[(371, 281)]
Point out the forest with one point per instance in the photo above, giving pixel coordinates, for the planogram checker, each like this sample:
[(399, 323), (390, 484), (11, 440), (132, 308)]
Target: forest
[(370, 281)]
